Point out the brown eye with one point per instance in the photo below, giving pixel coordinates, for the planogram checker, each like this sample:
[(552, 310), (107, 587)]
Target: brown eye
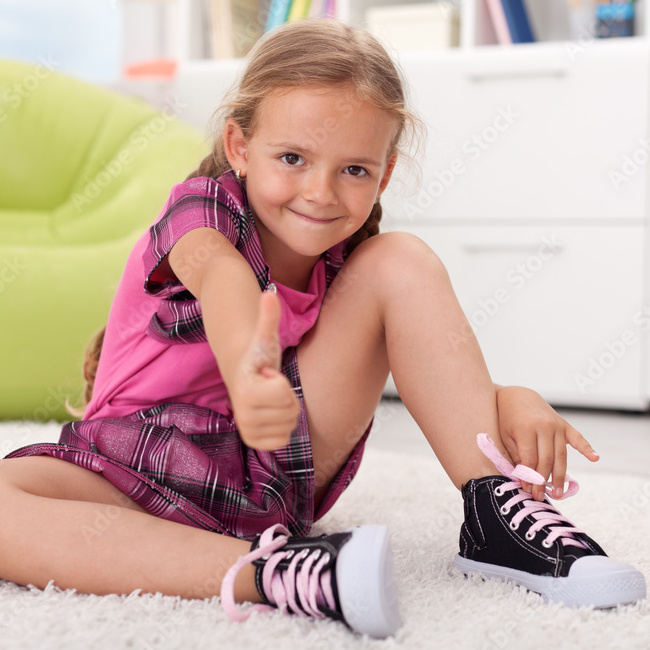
[(291, 159), (356, 170)]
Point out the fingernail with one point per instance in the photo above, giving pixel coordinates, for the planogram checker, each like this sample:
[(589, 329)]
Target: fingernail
[(557, 492)]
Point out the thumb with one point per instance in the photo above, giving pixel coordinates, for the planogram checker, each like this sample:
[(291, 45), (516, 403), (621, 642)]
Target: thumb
[(266, 349)]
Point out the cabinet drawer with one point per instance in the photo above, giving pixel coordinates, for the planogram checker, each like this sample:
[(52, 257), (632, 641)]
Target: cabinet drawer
[(539, 132), (558, 309)]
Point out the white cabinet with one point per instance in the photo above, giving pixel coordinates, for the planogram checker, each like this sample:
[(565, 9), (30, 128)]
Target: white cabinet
[(557, 308), (528, 146), (534, 135)]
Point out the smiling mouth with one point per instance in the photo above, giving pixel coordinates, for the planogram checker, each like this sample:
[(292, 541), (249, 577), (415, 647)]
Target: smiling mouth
[(312, 219)]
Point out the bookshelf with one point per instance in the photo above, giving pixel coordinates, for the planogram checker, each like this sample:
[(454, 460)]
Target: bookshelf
[(534, 191), (551, 20)]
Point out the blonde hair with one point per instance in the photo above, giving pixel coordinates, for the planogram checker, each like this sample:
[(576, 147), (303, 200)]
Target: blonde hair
[(315, 53), (310, 53)]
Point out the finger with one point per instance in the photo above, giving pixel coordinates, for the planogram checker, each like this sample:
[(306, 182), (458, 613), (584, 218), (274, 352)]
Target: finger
[(511, 446), (268, 428), (269, 440), (526, 454), (270, 423), (545, 463), (559, 466), (274, 391), (579, 443), (266, 348)]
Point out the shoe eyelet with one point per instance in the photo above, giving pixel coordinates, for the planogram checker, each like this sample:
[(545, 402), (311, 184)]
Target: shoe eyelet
[(546, 544), (305, 553), (504, 511), (498, 491), (513, 526), (317, 553), (530, 536), (290, 554)]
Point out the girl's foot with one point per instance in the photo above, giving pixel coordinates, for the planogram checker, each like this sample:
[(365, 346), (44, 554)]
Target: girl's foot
[(510, 536), (346, 576)]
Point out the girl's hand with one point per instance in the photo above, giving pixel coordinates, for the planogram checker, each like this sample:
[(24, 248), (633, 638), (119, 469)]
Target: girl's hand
[(537, 437), (265, 407)]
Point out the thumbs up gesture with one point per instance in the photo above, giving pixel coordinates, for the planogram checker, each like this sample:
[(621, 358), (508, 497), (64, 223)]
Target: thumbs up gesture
[(264, 404)]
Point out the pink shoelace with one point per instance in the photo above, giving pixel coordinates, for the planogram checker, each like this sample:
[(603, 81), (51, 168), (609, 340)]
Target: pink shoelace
[(559, 527), (301, 590)]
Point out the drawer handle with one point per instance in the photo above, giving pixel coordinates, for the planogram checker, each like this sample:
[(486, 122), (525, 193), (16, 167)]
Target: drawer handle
[(479, 249), (507, 75)]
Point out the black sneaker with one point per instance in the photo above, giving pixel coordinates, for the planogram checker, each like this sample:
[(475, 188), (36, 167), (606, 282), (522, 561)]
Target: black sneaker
[(346, 576), (509, 535)]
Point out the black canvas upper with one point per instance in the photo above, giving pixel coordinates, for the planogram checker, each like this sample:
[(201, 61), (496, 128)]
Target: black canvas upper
[(486, 534)]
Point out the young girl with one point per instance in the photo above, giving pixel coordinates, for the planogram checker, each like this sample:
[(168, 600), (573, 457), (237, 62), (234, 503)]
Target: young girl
[(245, 353)]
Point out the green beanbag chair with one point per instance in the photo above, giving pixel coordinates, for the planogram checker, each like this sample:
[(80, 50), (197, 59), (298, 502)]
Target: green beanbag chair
[(83, 172)]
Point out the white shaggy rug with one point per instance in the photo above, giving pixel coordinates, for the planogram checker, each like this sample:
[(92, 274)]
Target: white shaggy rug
[(440, 608)]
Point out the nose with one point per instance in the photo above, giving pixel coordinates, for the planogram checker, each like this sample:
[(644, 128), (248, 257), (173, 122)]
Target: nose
[(319, 188)]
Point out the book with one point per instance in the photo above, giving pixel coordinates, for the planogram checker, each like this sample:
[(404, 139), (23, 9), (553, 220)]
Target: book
[(330, 8), (317, 8), (235, 27), (278, 13), (615, 19), (518, 22), (299, 10), (499, 22)]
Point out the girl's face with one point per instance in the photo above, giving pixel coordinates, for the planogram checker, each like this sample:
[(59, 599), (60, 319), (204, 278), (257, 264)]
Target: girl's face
[(317, 162)]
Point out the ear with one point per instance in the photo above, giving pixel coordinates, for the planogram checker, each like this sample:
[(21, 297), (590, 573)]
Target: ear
[(387, 174), (235, 146)]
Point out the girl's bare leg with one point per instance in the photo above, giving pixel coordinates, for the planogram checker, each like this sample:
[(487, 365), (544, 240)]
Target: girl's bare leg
[(392, 306), (65, 523)]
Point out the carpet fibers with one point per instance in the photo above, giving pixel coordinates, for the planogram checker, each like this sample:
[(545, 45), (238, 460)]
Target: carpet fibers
[(440, 608)]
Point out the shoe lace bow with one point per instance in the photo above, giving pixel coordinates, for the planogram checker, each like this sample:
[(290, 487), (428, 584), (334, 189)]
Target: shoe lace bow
[(303, 588), (545, 515)]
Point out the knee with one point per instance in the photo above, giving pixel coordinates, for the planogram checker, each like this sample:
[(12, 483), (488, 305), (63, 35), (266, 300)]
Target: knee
[(398, 258)]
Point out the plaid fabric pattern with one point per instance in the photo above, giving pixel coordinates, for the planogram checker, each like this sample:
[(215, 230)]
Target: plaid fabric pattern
[(187, 463), (203, 203), (206, 203)]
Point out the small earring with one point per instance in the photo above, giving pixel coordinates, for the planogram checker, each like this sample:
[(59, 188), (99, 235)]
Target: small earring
[(239, 175)]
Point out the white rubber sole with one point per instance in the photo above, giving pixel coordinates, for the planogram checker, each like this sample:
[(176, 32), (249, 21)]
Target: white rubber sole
[(366, 582), (595, 581)]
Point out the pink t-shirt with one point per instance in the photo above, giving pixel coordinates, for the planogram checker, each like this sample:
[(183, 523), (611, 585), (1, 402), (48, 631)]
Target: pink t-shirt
[(154, 348)]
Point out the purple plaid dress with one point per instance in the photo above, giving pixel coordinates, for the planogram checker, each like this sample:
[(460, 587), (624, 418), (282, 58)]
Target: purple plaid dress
[(182, 460)]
